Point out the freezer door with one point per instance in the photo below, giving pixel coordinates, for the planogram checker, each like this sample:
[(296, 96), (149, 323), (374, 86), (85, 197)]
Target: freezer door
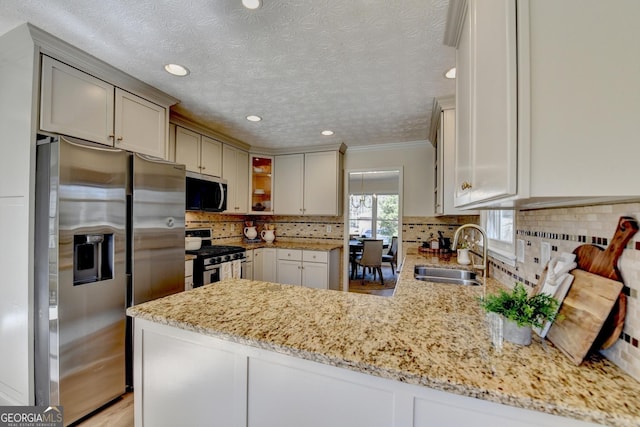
[(81, 277), (157, 228)]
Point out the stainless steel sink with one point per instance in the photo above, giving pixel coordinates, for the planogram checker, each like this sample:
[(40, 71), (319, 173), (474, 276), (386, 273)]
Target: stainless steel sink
[(445, 275)]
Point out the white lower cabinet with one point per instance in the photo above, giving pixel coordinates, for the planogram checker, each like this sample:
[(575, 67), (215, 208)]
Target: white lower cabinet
[(185, 378), (313, 269), (285, 395), (247, 265), (264, 264), (186, 381), (188, 274)]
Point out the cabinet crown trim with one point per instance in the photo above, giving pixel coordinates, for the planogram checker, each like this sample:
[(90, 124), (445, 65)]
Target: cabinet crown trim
[(455, 18), (64, 52), (185, 122), (439, 104), (341, 147)]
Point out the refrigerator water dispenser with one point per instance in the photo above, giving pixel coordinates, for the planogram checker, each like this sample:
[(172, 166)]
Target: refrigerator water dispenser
[(92, 258)]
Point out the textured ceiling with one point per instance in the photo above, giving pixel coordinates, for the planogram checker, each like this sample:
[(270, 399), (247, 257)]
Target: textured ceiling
[(366, 69)]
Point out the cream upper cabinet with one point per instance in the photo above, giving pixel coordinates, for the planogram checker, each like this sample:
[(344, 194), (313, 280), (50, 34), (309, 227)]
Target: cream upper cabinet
[(541, 120), (140, 125), (188, 149), (198, 153), (308, 184), (235, 169), (210, 156), (486, 97), (443, 132), (77, 104), (288, 184), (261, 184), (322, 183)]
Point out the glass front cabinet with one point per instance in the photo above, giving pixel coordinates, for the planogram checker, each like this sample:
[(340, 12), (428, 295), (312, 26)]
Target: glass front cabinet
[(261, 184)]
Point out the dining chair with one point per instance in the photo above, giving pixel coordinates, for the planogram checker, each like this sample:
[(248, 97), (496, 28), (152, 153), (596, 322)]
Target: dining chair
[(392, 255), (371, 257)]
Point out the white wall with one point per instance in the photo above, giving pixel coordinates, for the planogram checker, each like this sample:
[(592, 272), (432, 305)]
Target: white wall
[(17, 122), (417, 160)]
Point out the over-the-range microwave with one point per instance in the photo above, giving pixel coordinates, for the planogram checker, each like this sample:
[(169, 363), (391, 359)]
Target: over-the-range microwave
[(205, 193)]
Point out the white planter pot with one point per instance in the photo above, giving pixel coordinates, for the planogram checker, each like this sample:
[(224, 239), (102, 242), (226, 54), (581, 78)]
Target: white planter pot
[(463, 257), (511, 332)]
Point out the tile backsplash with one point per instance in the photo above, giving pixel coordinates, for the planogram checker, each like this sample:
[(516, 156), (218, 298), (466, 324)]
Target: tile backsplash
[(229, 228), (564, 229)]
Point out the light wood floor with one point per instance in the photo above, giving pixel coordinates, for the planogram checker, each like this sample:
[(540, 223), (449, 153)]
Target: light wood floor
[(118, 413)]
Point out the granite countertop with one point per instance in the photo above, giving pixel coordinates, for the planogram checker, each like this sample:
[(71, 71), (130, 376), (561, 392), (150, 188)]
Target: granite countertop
[(427, 334), (313, 245)]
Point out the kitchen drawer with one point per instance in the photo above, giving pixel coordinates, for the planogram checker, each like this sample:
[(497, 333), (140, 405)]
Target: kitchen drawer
[(249, 255), (290, 254), (315, 256)]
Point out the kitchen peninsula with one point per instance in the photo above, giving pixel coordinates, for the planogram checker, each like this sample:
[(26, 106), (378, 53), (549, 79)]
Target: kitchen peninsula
[(257, 353)]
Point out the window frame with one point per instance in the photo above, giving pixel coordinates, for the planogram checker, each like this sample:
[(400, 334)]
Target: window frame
[(500, 249)]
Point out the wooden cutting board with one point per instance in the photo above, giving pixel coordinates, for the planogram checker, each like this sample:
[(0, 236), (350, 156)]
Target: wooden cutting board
[(583, 313), (604, 263)]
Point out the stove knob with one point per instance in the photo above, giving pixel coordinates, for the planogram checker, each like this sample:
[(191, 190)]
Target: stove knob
[(226, 258)]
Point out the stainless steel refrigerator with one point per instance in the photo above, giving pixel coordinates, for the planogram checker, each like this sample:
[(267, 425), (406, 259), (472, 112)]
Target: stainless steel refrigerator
[(109, 233)]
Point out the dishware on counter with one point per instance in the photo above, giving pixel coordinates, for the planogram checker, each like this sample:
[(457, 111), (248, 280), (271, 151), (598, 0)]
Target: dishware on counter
[(268, 235), (250, 232), (192, 243)]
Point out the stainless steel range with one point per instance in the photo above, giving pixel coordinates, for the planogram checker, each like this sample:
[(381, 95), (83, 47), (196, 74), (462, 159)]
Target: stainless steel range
[(215, 262)]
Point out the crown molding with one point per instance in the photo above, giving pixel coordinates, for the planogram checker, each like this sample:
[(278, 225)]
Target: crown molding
[(439, 104), (455, 19), (180, 120), (341, 147), (393, 146)]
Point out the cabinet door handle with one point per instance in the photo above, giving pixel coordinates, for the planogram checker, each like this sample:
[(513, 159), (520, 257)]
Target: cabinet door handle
[(202, 167), (465, 185), (111, 136)]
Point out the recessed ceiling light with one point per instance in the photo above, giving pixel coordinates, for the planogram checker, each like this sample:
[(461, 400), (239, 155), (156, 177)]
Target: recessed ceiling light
[(327, 132), (451, 73), (252, 4), (176, 70), (253, 118)]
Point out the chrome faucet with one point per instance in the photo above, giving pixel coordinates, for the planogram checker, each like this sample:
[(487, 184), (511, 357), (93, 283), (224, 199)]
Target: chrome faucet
[(485, 244)]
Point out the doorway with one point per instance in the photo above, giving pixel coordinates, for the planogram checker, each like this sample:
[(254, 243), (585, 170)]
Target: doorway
[(373, 210)]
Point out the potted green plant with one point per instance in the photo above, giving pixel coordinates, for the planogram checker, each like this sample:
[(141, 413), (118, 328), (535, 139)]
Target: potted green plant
[(521, 312)]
